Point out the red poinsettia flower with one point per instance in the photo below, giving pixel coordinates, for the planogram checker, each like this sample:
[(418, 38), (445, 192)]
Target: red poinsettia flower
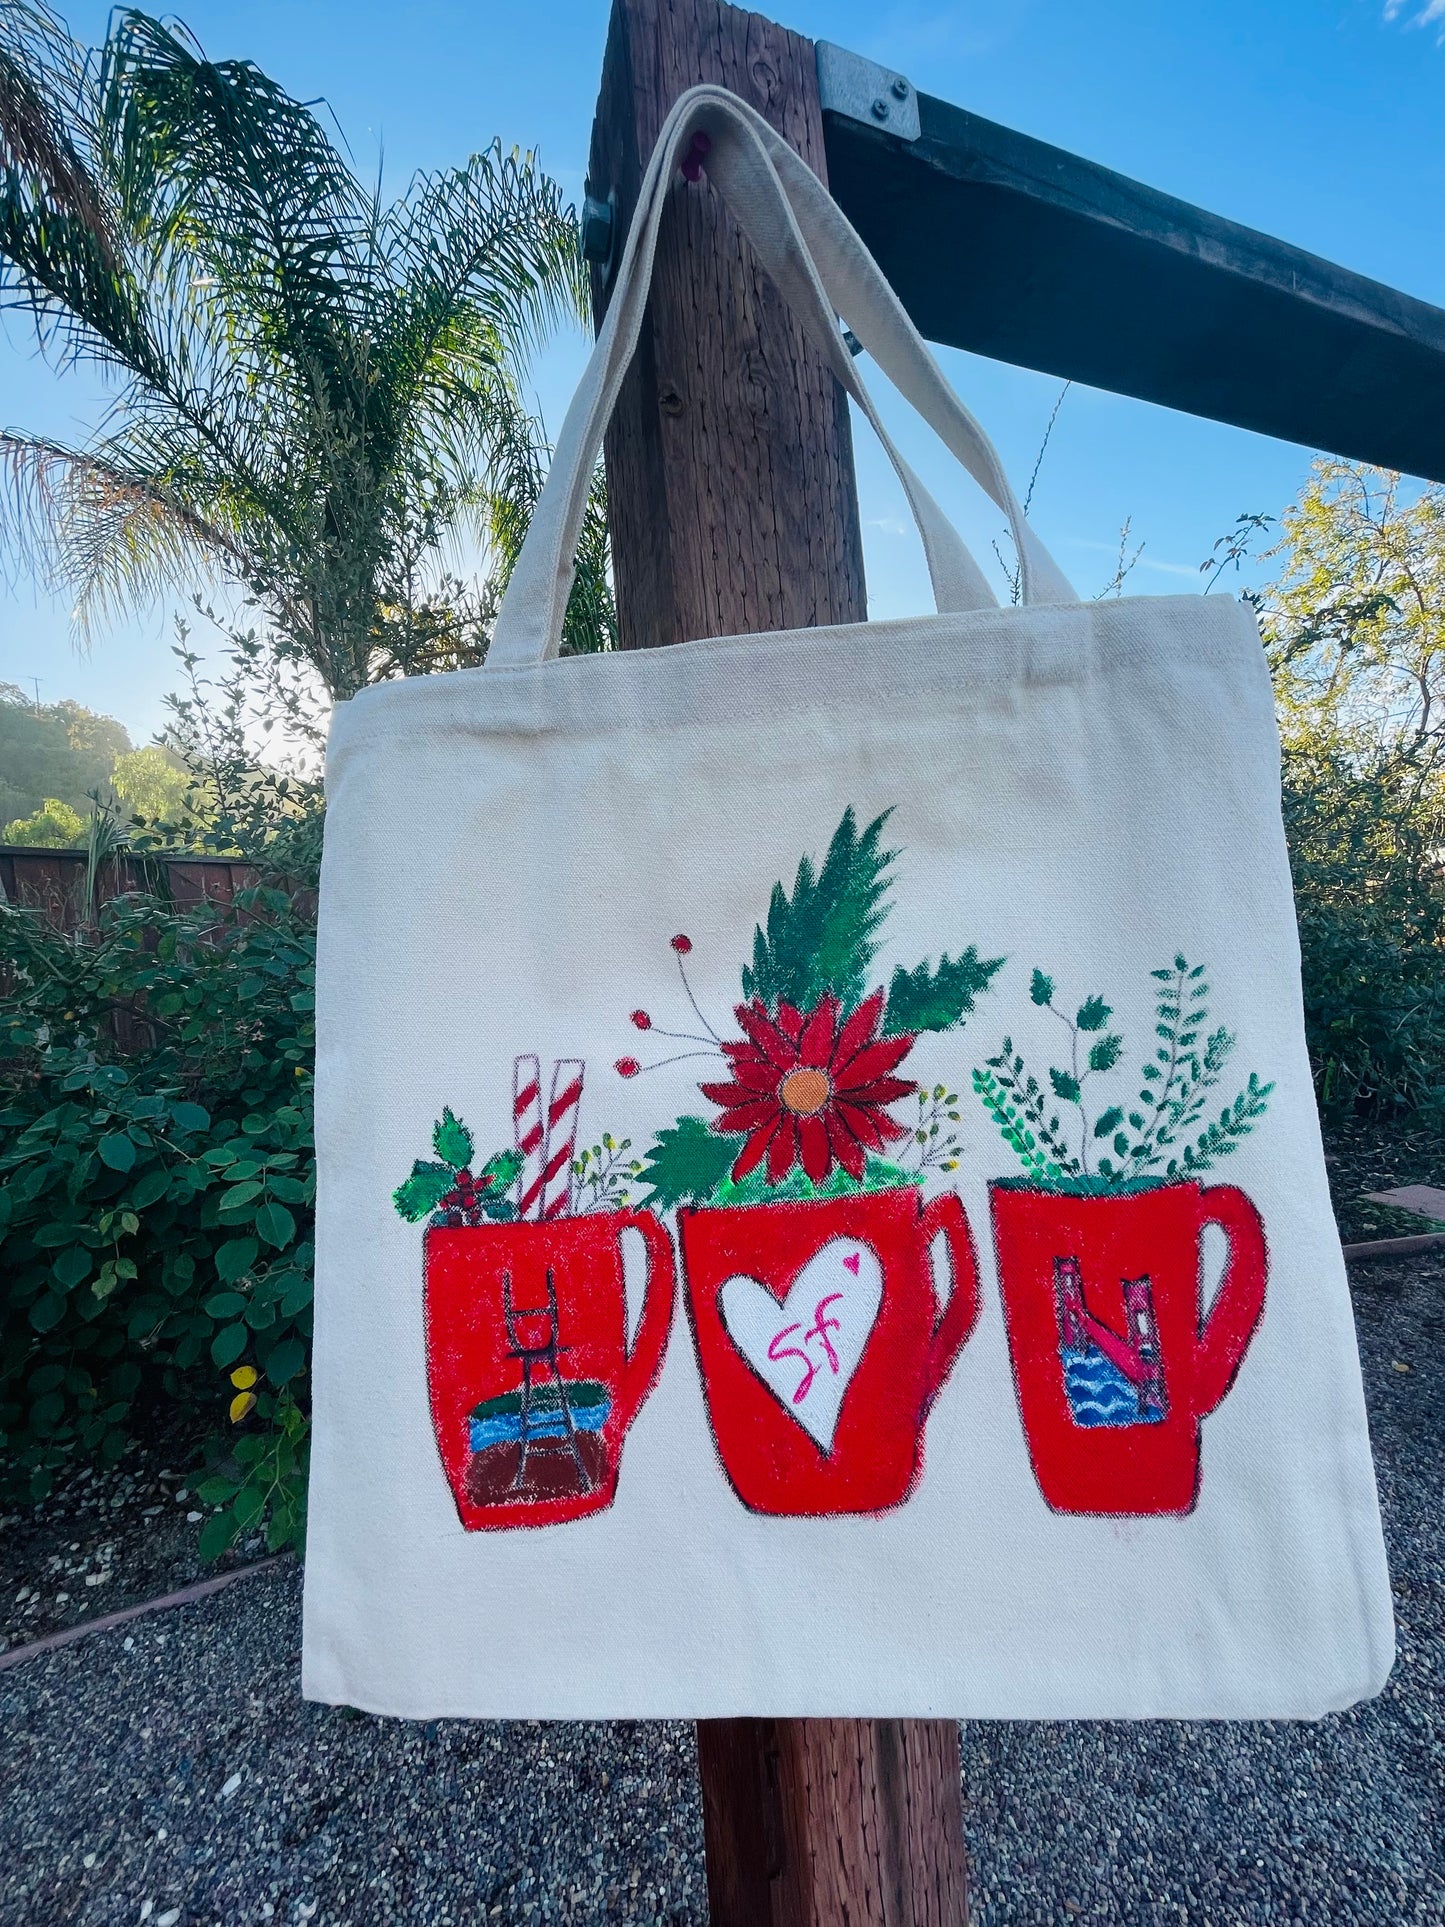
[(807, 1088)]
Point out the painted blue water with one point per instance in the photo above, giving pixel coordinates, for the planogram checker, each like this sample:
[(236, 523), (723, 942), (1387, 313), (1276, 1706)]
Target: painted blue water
[(1099, 1393), (506, 1427)]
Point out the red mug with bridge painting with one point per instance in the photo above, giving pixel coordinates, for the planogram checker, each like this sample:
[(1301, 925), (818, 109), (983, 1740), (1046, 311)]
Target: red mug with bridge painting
[(532, 1384), (1115, 1358), (822, 1343)]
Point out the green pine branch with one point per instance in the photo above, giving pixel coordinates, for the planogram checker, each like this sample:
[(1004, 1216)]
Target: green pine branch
[(686, 1164), (924, 999), (823, 938)]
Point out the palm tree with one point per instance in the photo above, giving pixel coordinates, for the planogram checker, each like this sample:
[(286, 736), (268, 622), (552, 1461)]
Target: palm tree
[(319, 395)]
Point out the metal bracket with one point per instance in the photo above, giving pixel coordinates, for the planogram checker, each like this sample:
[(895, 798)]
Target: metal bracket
[(864, 91)]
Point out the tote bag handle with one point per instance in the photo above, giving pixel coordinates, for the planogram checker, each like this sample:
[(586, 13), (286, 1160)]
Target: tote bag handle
[(819, 263)]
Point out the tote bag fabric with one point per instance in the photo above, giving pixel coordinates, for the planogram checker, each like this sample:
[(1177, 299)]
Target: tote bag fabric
[(821, 1205)]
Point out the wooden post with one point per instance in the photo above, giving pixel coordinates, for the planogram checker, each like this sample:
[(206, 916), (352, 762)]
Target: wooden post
[(733, 510)]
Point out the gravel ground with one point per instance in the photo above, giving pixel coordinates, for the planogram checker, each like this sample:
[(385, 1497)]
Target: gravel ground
[(170, 1773)]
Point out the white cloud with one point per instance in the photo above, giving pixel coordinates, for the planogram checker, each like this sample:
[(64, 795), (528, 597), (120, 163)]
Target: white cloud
[(1418, 13)]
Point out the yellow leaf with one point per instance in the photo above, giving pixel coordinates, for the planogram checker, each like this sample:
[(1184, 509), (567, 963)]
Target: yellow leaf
[(240, 1405), (244, 1377)]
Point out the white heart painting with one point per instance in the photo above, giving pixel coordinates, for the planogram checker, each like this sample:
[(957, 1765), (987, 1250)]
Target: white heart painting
[(807, 1349)]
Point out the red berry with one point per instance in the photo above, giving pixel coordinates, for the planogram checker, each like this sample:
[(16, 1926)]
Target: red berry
[(628, 1067), (682, 945), (642, 1020)]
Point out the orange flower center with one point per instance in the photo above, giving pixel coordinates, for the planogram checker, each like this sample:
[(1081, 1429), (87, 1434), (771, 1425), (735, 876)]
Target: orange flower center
[(805, 1092)]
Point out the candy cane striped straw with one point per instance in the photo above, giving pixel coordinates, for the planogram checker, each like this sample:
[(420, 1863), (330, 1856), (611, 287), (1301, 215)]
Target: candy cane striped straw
[(530, 1136), (567, 1076)]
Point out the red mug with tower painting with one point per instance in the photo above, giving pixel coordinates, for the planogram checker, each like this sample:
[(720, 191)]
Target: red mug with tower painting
[(1115, 1356), (822, 1344), (532, 1384)]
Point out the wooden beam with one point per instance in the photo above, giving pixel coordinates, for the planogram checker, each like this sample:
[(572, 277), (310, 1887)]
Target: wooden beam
[(733, 510), (729, 458), (1004, 245)]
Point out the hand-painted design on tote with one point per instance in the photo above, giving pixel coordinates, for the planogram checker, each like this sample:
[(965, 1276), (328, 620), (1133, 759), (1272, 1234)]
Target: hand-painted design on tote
[(1116, 1359), (532, 1384), (805, 1238)]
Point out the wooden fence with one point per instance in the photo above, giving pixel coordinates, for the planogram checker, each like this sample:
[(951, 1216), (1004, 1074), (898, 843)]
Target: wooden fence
[(55, 881)]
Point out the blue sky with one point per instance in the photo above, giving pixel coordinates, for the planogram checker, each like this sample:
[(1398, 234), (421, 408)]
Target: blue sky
[(1321, 121)]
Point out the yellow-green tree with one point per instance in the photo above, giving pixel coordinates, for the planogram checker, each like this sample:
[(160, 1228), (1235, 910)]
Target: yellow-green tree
[(54, 826), (151, 783), (1355, 628)]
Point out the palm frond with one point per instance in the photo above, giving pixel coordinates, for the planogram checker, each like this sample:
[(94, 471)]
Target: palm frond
[(105, 535), (43, 81)]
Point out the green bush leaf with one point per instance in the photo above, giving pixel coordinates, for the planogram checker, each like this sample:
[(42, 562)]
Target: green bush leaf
[(1093, 1014), (235, 1258), (228, 1345), (285, 1360), (216, 1491), (1110, 1121), (1065, 1086), (190, 1117), (72, 1266), (216, 1534), (150, 1187), (275, 1224), (117, 1151), (225, 1304), (238, 1196), (1041, 988)]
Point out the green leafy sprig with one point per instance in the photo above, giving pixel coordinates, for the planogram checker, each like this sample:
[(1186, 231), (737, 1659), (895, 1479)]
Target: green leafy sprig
[(445, 1190), (1156, 1142), (602, 1174)]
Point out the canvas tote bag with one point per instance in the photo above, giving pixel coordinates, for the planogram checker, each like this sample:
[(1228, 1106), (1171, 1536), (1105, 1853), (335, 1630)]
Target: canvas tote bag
[(822, 1209)]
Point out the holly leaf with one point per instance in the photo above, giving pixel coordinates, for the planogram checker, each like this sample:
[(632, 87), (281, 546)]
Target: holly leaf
[(686, 1164), (1104, 1055), (501, 1172), (1065, 1086), (924, 999), (824, 936), (423, 1191), (1093, 1014), (452, 1141)]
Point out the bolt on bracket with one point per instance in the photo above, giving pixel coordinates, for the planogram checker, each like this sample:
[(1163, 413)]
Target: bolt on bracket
[(862, 90)]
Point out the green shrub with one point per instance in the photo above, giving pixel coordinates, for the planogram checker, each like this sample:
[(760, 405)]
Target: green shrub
[(156, 1200), (1366, 849)]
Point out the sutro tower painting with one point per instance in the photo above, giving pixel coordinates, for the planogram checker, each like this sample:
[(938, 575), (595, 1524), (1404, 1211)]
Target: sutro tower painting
[(1109, 1380)]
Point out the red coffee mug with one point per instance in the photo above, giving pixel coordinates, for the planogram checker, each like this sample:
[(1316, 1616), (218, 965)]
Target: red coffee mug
[(821, 1343), (532, 1385), (1114, 1360)]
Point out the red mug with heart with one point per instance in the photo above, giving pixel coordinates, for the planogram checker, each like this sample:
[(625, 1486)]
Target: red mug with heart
[(822, 1344), (532, 1385), (1115, 1358)]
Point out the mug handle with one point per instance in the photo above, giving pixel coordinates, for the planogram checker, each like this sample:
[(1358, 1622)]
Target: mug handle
[(1239, 1304), (644, 1362), (946, 1214)]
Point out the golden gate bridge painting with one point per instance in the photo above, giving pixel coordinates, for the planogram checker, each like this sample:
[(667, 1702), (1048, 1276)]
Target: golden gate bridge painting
[(1109, 1380)]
